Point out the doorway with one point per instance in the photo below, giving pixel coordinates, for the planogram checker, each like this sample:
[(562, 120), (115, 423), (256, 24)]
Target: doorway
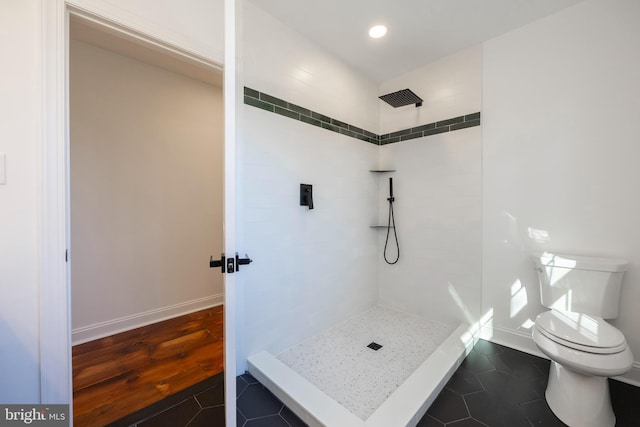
[(146, 212)]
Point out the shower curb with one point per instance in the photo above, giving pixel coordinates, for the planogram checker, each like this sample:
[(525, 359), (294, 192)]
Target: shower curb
[(404, 408)]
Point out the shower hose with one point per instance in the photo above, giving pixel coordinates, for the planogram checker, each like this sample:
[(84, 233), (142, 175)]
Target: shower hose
[(391, 225)]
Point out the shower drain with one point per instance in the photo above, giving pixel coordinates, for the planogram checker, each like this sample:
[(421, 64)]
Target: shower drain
[(374, 346)]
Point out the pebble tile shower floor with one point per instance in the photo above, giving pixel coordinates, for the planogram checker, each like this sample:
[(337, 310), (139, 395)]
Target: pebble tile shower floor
[(495, 386), (362, 361)]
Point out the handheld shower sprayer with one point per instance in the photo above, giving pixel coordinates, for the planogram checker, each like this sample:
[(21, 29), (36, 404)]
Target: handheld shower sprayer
[(391, 224)]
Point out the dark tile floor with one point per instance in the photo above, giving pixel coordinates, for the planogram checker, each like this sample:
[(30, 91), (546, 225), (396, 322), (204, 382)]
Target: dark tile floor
[(495, 386), (199, 405), (203, 405), (258, 407)]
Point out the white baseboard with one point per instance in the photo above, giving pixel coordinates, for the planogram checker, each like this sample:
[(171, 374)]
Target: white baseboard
[(126, 323), (524, 342), (511, 338)]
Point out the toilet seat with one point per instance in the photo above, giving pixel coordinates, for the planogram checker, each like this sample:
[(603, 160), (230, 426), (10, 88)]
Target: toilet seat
[(581, 332)]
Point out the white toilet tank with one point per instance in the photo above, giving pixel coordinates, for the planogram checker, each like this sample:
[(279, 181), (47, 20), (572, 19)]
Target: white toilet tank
[(581, 284)]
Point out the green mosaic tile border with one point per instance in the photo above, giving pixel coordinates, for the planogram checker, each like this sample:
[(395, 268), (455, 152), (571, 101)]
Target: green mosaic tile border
[(279, 106), (456, 123)]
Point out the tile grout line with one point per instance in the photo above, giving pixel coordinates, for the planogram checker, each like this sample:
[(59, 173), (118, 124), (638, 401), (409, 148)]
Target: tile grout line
[(164, 410), (194, 416), (280, 415), (466, 405)]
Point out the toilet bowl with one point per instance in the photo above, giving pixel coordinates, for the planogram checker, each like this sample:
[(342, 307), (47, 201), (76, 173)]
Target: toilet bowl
[(582, 359), (583, 347)]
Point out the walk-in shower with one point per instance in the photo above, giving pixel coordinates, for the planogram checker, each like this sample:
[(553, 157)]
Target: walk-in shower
[(342, 337), (344, 333)]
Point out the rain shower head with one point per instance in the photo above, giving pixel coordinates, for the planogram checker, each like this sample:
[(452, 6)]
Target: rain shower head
[(401, 98)]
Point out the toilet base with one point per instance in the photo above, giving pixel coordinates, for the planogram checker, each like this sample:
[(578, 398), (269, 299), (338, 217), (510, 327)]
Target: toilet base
[(579, 400)]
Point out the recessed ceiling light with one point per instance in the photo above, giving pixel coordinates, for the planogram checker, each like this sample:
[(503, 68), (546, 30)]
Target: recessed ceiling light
[(377, 31)]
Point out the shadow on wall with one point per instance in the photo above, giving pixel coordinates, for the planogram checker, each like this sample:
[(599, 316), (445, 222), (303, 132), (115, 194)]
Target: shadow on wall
[(520, 292), (524, 290)]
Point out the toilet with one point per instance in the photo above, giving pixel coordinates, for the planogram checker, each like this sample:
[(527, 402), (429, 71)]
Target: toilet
[(584, 349)]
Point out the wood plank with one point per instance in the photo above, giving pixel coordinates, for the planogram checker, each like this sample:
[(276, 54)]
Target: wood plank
[(181, 345), (112, 400), (114, 367), (118, 375), (154, 333)]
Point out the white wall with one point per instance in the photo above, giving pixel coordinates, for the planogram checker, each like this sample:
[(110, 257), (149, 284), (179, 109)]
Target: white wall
[(146, 192), (19, 112), (561, 98), (282, 63), (437, 186), (194, 25), (449, 87), (314, 268)]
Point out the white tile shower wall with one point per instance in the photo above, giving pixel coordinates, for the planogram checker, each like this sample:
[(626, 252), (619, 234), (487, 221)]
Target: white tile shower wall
[(313, 268), (560, 161), (437, 210), (450, 87), (284, 64)]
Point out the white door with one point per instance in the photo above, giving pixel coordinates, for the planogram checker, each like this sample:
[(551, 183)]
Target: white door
[(231, 279), (56, 384)]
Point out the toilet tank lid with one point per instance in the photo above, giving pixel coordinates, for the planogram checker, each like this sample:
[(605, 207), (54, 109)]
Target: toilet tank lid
[(579, 262)]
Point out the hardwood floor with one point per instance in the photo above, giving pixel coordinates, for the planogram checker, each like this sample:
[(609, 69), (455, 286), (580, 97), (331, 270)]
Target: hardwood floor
[(118, 375)]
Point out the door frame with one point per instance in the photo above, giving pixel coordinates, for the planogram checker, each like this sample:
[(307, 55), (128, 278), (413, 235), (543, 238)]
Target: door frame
[(54, 222)]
